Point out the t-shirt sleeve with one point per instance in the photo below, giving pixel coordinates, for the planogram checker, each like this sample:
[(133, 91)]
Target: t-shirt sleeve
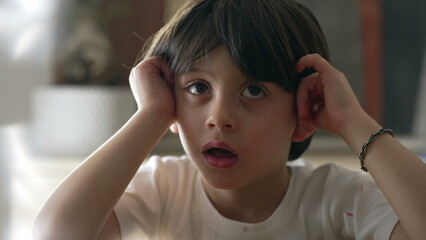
[(139, 209), (358, 208)]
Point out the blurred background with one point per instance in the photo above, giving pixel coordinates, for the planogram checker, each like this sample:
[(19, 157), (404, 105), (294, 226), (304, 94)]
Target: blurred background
[(64, 69)]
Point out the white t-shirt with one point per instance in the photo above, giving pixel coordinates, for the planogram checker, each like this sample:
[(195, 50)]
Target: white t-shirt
[(166, 200)]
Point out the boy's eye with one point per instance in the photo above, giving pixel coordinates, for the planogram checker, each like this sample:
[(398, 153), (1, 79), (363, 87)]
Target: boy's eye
[(199, 88), (253, 92)]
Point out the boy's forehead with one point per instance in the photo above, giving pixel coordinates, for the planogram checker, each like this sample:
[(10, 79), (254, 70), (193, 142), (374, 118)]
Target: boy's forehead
[(198, 66), (218, 56), (216, 62)]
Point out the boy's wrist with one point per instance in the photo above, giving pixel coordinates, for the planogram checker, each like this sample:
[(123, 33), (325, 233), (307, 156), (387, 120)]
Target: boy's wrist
[(154, 115), (356, 131)]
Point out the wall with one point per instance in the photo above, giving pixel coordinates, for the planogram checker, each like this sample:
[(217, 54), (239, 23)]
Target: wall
[(25, 38), (405, 38), (26, 47), (340, 21), (172, 6)]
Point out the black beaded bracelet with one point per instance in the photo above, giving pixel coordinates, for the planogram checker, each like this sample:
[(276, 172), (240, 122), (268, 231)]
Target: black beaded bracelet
[(364, 147)]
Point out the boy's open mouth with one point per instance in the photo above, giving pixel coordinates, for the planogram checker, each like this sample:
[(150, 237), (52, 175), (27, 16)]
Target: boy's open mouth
[(220, 153)]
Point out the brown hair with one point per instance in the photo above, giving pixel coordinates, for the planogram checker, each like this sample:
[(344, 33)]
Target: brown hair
[(264, 37)]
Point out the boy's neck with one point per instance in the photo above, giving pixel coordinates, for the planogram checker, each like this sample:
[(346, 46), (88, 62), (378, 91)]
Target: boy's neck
[(251, 204)]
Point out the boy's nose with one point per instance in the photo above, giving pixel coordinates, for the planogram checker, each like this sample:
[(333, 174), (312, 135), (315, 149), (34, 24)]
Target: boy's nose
[(222, 116)]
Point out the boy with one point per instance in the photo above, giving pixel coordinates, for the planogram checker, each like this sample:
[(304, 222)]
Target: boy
[(225, 75)]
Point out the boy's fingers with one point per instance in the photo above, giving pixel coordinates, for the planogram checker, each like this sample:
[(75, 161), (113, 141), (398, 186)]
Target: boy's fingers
[(153, 66), (304, 98), (167, 74), (312, 61)]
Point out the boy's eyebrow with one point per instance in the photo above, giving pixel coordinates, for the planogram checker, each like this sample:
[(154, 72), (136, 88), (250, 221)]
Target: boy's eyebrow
[(197, 69)]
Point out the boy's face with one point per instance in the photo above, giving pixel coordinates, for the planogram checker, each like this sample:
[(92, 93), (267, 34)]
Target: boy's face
[(236, 131)]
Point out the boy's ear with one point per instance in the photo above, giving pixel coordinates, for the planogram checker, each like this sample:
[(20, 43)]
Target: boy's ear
[(174, 127), (302, 131)]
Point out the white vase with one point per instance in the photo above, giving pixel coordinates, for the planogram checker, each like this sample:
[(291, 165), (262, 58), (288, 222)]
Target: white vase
[(75, 120)]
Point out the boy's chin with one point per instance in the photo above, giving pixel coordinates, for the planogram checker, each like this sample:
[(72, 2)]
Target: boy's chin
[(219, 184)]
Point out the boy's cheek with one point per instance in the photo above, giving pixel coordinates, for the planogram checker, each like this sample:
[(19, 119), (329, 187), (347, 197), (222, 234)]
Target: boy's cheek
[(186, 100)]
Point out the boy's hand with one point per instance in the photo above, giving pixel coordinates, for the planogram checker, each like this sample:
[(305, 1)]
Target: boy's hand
[(151, 84), (325, 98)]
